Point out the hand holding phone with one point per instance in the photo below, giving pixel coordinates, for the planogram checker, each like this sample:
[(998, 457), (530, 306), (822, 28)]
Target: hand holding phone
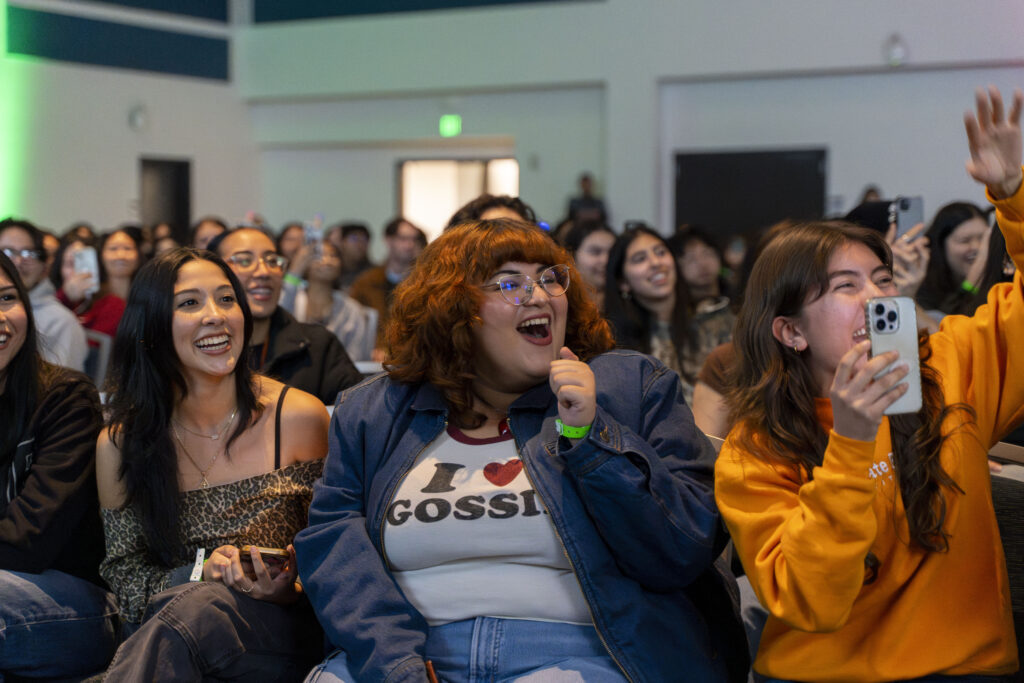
[(86, 263), (906, 212), (892, 326), (274, 559)]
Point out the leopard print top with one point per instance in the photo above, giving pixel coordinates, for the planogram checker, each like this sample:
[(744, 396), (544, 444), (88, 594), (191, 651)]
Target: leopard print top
[(268, 510)]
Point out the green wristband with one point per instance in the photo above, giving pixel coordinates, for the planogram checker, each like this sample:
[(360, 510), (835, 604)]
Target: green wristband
[(294, 280), (570, 431), (968, 287)]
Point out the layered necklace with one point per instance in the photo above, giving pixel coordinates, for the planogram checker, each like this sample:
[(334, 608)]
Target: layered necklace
[(217, 436)]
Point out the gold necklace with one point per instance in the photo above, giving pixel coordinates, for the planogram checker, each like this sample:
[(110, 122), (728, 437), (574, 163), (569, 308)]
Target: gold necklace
[(204, 483), (220, 432)]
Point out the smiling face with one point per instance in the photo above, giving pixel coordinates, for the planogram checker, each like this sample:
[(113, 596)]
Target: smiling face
[(291, 240), (833, 323), (13, 322), (208, 325), (30, 268), (963, 246), (592, 257), (262, 285), (516, 344), (120, 255), (648, 271)]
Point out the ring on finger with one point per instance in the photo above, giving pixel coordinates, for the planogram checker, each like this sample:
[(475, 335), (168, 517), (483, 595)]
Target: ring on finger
[(251, 586)]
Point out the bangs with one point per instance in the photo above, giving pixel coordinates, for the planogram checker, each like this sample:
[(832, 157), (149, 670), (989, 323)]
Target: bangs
[(486, 245)]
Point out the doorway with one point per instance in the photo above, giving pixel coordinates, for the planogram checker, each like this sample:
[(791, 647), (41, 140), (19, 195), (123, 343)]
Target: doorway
[(166, 195), (431, 190)]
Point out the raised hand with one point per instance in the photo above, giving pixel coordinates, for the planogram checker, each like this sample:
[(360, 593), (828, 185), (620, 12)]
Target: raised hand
[(994, 141), (910, 256)]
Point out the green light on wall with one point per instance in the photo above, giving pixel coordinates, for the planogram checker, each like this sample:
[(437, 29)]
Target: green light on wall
[(15, 122), (449, 125)]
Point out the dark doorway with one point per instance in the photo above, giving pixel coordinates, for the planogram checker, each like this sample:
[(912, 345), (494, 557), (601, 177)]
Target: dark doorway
[(740, 192), (167, 195)]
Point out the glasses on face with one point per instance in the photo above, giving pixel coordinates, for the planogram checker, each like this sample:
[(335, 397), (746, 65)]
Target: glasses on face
[(247, 261), (517, 289), (23, 254)]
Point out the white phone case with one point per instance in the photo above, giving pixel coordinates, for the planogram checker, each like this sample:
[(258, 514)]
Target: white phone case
[(892, 326)]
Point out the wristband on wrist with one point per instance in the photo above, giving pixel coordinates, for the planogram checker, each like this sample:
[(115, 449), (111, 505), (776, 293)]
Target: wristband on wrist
[(293, 279), (570, 431), (197, 568), (968, 287)]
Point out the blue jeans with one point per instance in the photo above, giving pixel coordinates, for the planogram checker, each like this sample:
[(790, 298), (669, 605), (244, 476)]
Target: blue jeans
[(503, 651), (54, 625)]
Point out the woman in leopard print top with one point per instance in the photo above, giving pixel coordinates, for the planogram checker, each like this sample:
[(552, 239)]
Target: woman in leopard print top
[(200, 457)]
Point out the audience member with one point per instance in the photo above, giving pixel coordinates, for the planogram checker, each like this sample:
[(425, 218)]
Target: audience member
[(120, 258), (353, 243), (589, 244), (957, 234), (872, 540), (315, 300), (700, 264), (291, 239), (647, 303), (204, 230), (80, 231), (96, 307), (374, 287), (58, 622), (301, 355), (594, 564), (164, 245), (489, 207), (202, 457), (61, 338), (587, 207)]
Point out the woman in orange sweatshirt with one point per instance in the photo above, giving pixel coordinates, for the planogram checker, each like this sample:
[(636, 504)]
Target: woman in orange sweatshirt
[(872, 541)]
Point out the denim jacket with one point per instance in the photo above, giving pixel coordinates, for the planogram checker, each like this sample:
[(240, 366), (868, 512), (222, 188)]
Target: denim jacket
[(632, 503)]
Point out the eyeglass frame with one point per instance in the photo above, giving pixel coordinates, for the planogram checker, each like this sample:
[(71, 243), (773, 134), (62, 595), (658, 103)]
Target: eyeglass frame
[(533, 283), (282, 261), (24, 254)]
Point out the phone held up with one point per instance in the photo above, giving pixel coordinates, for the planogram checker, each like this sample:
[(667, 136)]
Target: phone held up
[(274, 559), (906, 212), (892, 326), (85, 261)]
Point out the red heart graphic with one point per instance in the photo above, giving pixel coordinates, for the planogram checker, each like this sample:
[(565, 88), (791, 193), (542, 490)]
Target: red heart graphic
[(501, 474)]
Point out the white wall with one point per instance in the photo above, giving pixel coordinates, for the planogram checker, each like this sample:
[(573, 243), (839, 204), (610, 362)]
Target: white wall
[(901, 130), (82, 159), (340, 157), (625, 49)]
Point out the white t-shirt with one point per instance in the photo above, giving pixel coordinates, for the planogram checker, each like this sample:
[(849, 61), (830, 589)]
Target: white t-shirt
[(467, 536)]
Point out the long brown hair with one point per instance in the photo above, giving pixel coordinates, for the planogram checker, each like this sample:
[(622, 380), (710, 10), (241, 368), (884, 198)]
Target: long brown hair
[(772, 399), (430, 333)]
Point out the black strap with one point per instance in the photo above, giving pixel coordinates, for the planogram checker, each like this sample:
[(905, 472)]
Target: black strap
[(277, 429)]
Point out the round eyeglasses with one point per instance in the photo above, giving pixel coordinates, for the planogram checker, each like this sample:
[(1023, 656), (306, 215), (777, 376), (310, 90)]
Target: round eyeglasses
[(23, 254), (247, 261), (517, 289)]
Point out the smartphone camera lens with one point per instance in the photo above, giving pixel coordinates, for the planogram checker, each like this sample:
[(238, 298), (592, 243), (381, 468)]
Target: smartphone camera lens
[(891, 316), (880, 325), (904, 204), (879, 309)]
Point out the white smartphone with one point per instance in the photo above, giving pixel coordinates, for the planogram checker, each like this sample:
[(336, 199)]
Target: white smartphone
[(892, 326), (86, 262), (906, 212)]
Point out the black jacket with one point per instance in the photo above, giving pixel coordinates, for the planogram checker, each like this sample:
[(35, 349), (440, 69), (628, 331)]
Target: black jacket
[(53, 520), (308, 357)]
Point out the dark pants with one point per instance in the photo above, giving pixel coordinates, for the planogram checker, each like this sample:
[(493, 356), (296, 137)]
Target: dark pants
[(205, 630)]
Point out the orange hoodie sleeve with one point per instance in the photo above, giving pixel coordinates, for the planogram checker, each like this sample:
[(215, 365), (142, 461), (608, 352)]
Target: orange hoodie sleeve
[(988, 347), (803, 544)]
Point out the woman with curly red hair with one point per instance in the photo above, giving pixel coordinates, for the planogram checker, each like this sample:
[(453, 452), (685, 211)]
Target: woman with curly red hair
[(512, 497)]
